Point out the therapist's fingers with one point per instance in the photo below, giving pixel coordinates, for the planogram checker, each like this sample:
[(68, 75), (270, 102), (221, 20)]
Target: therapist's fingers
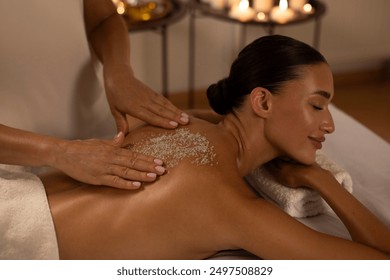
[(159, 111), (133, 165), (129, 96), (154, 108), (128, 169), (105, 162), (130, 178)]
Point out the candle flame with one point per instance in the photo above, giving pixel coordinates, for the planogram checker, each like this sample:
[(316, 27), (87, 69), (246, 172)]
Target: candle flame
[(244, 4), (261, 16), (283, 5), (121, 9), (307, 8), (120, 6)]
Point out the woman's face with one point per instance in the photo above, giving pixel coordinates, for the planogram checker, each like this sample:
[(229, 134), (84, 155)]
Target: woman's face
[(300, 116)]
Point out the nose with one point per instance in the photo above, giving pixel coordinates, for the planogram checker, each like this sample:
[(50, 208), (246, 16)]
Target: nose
[(328, 125)]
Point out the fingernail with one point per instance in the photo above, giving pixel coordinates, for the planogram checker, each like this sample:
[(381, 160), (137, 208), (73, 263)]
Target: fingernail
[(173, 123), (118, 136), (160, 169), (152, 175), (137, 184), (184, 119), (158, 161)]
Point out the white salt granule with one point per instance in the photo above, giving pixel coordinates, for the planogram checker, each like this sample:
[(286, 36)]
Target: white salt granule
[(172, 147)]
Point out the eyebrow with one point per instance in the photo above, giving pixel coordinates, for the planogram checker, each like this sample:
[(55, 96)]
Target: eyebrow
[(323, 93)]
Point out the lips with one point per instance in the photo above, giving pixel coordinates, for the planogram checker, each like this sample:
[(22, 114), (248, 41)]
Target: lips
[(317, 141)]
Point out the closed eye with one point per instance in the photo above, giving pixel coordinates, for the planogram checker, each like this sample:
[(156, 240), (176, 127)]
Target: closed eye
[(316, 107), (320, 99)]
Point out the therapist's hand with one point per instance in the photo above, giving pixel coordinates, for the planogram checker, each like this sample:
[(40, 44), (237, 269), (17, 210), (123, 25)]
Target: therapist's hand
[(127, 95), (104, 162)]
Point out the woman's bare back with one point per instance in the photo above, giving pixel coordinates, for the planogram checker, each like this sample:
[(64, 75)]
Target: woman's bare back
[(184, 214)]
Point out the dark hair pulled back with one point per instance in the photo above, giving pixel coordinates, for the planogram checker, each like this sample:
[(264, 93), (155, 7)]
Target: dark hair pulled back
[(267, 62)]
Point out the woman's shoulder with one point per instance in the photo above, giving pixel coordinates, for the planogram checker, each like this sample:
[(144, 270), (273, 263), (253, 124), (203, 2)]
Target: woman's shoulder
[(200, 143)]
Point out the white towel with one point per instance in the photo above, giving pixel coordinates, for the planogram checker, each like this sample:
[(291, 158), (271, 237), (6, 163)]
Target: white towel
[(298, 202), (26, 226)]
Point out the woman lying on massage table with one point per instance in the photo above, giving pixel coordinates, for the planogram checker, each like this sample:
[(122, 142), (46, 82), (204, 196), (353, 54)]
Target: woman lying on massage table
[(275, 104)]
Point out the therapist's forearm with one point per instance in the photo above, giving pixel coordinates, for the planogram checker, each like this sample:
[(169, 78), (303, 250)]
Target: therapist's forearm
[(107, 34), (20, 147)]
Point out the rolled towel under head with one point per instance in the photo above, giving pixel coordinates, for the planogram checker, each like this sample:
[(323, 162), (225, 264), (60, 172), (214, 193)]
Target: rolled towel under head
[(298, 202)]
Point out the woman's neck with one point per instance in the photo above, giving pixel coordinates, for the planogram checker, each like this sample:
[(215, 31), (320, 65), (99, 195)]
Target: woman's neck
[(253, 147)]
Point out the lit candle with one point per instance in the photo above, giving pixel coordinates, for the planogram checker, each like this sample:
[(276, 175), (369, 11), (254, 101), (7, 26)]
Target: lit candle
[(242, 11), (120, 6), (262, 17), (282, 13), (308, 9), (263, 5)]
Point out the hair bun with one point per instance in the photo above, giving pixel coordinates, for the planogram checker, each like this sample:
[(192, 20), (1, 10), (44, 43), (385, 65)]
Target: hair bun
[(217, 95)]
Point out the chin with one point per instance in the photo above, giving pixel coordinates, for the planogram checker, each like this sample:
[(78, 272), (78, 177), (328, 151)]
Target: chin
[(307, 158)]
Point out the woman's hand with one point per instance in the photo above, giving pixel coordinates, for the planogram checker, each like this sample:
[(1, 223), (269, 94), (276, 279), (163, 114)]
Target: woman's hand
[(105, 162), (127, 95), (293, 174)]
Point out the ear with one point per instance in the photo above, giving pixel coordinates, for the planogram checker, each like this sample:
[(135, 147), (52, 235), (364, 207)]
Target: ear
[(261, 101)]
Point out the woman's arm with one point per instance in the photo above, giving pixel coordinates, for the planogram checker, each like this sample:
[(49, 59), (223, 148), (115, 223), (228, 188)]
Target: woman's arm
[(109, 38), (364, 227), (266, 231)]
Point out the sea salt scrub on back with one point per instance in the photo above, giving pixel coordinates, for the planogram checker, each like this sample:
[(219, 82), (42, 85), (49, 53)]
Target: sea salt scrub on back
[(172, 147)]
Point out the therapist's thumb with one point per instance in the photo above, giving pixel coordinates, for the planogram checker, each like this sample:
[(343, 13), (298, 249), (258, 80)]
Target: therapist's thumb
[(121, 122), (119, 139)]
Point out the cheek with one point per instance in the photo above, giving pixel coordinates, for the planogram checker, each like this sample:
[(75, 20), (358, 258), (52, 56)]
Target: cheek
[(290, 132), (302, 149), (305, 122), (296, 122), (285, 128)]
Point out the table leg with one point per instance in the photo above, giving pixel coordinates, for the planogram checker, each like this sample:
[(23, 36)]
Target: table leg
[(191, 58), (271, 29), (317, 31), (243, 36), (164, 64)]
